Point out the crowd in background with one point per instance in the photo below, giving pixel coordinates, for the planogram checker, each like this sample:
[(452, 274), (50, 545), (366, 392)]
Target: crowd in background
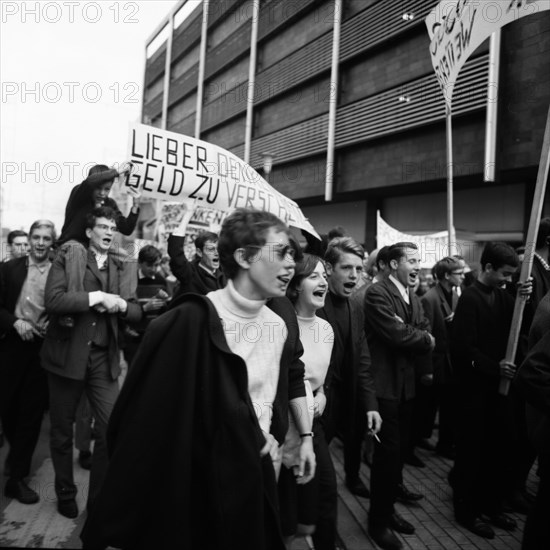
[(245, 363)]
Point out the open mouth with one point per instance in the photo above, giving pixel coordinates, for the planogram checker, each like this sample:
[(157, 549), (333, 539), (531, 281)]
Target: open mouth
[(349, 286), (284, 279), (106, 242), (319, 293)]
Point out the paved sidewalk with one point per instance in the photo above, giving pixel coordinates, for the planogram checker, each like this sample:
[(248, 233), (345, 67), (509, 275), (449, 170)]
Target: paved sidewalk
[(433, 517), (40, 526)]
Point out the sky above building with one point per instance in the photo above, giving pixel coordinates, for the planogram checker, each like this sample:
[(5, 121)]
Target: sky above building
[(72, 81)]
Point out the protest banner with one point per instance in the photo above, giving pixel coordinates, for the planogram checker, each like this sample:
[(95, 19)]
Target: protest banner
[(175, 167), (432, 246), (458, 27)]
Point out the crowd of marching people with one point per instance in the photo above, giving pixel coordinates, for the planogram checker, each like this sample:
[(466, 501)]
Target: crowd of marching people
[(239, 379)]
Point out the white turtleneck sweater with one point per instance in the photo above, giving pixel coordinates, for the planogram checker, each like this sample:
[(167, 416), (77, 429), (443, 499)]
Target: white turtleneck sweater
[(257, 335), (317, 337)]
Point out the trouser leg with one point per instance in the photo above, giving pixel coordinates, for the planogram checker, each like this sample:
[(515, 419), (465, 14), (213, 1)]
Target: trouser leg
[(102, 392), (65, 395)]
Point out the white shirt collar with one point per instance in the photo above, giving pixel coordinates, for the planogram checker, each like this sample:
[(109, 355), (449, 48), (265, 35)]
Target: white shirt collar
[(210, 271), (404, 291), (142, 276)]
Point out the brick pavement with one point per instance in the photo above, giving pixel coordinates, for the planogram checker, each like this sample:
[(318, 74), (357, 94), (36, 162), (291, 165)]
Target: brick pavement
[(433, 517), (40, 525)]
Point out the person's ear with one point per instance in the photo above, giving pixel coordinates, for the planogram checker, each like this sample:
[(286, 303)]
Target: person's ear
[(240, 257), (88, 232), (199, 252), (329, 269), (394, 264)]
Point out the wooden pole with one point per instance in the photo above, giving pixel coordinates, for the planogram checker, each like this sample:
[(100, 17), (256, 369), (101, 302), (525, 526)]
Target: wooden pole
[(527, 264)]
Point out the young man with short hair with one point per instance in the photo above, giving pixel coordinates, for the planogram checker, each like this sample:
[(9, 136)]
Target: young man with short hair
[(152, 294), (212, 385), (203, 274), (439, 306), (399, 340), (23, 386), (481, 326), (351, 400), (18, 244), (84, 357)]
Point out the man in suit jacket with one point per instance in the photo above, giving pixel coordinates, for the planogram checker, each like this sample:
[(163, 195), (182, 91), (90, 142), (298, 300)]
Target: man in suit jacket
[(84, 357), (23, 389), (399, 341), (439, 304), (351, 400)]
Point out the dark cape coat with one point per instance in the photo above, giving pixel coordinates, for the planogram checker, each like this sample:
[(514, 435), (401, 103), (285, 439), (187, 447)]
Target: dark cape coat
[(184, 441)]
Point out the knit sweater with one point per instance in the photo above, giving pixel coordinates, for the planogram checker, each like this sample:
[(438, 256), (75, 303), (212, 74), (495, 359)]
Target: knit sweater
[(317, 337), (256, 334)]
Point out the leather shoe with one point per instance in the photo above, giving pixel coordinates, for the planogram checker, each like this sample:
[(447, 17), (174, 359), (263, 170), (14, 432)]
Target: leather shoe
[(407, 497), (425, 444), (19, 490), (85, 459), (401, 525), (68, 508), (503, 521), (385, 539), (357, 487), (414, 460), (479, 527)]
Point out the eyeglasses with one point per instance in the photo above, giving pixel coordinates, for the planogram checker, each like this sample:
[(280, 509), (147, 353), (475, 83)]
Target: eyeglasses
[(283, 252), (210, 249), (457, 272), (105, 227)]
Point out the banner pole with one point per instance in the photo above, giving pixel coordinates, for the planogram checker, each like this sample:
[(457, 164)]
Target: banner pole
[(449, 140), (526, 266)]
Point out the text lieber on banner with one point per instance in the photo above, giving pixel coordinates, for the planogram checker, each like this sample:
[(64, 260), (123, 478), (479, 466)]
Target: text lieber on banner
[(174, 167)]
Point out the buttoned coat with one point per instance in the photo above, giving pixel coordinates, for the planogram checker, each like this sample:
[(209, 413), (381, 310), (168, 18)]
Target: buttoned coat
[(436, 309), (66, 349), (356, 384), (399, 340)]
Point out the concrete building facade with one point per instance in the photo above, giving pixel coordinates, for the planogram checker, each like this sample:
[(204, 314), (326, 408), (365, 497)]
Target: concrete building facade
[(389, 134)]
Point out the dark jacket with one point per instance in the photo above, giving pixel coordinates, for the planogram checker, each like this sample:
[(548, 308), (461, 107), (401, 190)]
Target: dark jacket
[(541, 285), (354, 389), (199, 482), (436, 309), (533, 379), (12, 277), (66, 349), (192, 278), (479, 337), (400, 348), (80, 204)]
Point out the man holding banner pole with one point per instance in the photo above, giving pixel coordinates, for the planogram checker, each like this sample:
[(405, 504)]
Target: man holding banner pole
[(482, 472)]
